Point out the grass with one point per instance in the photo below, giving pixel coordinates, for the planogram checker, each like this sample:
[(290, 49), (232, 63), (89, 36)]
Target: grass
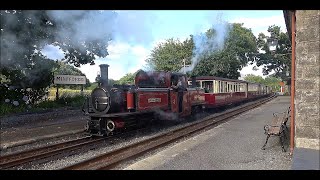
[(67, 98), (66, 93)]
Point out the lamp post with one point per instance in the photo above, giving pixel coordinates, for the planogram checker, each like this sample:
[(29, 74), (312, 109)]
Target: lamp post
[(272, 43), (184, 66)]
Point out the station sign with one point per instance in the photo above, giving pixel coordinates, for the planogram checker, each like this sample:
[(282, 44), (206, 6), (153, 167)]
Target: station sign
[(69, 79)]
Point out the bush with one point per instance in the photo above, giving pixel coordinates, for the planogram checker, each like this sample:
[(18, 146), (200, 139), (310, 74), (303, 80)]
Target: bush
[(68, 98), (6, 109), (71, 100)]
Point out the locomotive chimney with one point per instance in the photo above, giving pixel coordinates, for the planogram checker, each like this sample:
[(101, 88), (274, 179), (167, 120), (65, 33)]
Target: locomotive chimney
[(193, 81), (104, 75)]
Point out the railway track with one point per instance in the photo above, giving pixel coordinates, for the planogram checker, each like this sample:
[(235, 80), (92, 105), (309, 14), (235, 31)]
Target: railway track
[(114, 158), (20, 158)]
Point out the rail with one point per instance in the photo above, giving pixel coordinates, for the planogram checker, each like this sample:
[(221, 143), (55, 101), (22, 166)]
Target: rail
[(114, 158)]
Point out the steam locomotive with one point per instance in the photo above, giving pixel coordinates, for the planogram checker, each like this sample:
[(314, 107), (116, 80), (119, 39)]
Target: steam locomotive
[(160, 95)]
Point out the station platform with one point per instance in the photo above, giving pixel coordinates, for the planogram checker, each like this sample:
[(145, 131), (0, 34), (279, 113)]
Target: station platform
[(234, 145), (306, 159)]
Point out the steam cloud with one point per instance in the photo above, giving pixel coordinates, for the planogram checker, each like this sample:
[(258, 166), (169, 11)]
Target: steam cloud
[(207, 45), (80, 26), (75, 27)]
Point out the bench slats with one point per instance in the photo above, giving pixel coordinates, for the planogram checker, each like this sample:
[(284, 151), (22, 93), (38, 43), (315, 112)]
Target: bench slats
[(277, 126)]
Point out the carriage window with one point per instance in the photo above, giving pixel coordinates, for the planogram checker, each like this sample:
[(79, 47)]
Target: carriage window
[(216, 87), (208, 86), (198, 84), (221, 87), (225, 87)]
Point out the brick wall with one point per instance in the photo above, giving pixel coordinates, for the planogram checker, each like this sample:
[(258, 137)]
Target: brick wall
[(307, 84)]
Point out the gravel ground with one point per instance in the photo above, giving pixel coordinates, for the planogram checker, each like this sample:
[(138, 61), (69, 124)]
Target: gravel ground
[(29, 130), (60, 162), (39, 119), (42, 143)]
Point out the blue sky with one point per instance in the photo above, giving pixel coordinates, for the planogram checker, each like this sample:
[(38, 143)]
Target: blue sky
[(139, 31)]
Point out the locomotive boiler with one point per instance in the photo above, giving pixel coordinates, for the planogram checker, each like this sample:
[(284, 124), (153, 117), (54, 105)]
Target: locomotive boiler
[(155, 95)]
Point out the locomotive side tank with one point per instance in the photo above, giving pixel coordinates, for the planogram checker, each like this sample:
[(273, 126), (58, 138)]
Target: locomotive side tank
[(160, 95), (155, 95)]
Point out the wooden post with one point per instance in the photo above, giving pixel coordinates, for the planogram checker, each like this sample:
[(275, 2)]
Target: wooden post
[(81, 89), (57, 93)]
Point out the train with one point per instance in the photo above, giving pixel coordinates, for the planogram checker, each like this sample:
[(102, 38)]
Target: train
[(161, 95)]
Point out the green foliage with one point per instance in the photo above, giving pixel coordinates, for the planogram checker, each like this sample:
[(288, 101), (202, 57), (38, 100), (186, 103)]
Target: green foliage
[(169, 55), (239, 48), (27, 30), (71, 100), (127, 79), (278, 61), (66, 100), (92, 86), (254, 79), (24, 34), (6, 109), (270, 81)]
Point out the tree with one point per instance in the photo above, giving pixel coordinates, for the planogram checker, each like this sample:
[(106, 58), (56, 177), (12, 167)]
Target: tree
[(239, 48), (127, 79), (24, 34), (169, 55), (254, 79), (270, 81), (273, 82), (278, 61)]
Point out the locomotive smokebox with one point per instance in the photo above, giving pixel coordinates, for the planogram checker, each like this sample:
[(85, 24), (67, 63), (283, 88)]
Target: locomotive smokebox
[(104, 74)]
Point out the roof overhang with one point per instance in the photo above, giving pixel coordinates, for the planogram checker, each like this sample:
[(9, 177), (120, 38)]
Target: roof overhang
[(287, 17)]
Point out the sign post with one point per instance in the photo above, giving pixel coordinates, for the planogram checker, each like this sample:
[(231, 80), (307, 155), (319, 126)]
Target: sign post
[(69, 79)]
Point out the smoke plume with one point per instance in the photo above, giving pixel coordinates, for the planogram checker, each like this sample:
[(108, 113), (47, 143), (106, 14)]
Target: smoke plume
[(82, 25), (207, 44)]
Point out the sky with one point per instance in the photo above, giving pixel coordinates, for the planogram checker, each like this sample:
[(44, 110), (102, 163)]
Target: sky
[(140, 31)]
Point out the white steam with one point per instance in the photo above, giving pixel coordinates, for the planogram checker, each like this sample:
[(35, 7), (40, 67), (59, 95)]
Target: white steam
[(208, 44), (166, 115), (81, 26)]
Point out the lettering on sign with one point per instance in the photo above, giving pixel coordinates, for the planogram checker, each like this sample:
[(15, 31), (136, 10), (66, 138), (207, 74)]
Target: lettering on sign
[(69, 79), (152, 100)]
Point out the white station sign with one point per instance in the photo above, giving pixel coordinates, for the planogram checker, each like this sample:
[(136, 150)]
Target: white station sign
[(69, 79)]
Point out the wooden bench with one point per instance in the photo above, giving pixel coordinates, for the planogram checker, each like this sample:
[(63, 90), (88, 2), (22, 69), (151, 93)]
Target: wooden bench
[(277, 127)]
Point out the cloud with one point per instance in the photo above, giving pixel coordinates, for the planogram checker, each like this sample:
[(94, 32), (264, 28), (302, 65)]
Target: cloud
[(138, 32), (124, 58), (52, 52), (261, 24), (249, 70)]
